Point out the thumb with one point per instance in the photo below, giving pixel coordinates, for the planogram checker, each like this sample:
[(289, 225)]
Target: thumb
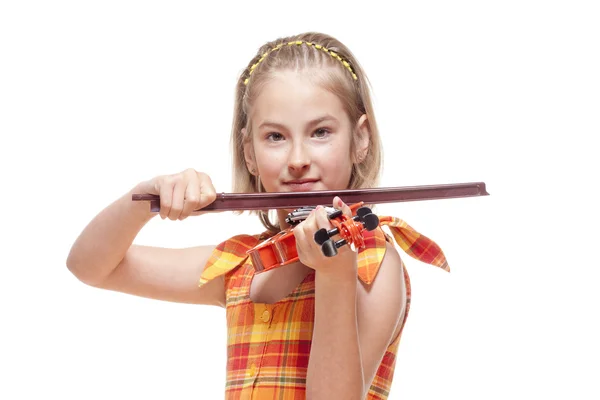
[(340, 205)]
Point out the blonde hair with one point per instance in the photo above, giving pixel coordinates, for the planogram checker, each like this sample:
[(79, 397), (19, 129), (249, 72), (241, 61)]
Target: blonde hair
[(353, 92)]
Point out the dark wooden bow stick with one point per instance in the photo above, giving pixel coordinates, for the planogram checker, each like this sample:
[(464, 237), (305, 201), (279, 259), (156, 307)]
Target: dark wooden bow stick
[(290, 200)]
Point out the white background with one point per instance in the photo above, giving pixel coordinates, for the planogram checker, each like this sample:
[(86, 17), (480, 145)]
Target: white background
[(97, 96)]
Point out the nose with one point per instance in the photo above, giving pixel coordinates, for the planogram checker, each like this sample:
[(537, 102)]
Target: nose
[(299, 159)]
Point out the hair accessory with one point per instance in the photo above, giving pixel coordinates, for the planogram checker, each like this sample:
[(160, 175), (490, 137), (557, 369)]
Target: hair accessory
[(299, 42)]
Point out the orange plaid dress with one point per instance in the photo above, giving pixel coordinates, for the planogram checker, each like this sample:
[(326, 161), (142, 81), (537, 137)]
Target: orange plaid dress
[(268, 345)]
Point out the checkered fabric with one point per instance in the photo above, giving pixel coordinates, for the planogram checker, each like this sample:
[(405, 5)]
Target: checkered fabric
[(268, 345)]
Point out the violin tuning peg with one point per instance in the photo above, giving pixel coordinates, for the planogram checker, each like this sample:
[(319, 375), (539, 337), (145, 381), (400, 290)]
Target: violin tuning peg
[(362, 211), (328, 248), (370, 221), (321, 236), (335, 214)]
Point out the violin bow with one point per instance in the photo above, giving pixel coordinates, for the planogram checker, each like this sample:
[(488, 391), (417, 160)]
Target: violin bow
[(291, 200)]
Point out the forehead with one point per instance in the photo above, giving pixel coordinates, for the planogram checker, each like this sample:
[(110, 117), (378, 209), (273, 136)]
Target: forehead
[(291, 95)]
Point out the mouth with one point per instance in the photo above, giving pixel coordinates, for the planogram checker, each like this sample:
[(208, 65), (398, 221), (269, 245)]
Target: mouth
[(301, 185)]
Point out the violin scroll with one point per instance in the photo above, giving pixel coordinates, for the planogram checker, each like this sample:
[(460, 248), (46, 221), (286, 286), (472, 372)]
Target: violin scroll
[(350, 229)]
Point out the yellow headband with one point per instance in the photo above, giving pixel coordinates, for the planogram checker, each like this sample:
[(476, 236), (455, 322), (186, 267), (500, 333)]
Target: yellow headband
[(299, 42)]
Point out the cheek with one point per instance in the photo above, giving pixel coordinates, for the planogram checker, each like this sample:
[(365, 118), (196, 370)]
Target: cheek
[(338, 153), (270, 161), (336, 158)]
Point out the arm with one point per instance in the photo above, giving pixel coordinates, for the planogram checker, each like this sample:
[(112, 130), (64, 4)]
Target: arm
[(381, 308), (335, 366), (354, 325), (103, 256)]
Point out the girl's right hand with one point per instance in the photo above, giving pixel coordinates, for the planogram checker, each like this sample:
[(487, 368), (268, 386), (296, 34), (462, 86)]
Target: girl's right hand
[(181, 194)]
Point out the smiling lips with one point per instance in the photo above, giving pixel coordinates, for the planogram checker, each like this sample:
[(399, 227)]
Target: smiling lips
[(301, 185)]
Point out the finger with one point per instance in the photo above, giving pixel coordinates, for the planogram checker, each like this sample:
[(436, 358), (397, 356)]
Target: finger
[(191, 199), (310, 223), (300, 236), (304, 228), (318, 220), (207, 192), (340, 205), (178, 198), (322, 219), (191, 202), (165, 188)]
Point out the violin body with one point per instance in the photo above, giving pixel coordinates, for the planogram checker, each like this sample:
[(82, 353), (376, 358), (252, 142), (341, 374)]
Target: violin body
[(277, 251)]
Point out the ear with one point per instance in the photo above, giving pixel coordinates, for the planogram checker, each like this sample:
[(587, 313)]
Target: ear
[(249, 153), (363, 138)]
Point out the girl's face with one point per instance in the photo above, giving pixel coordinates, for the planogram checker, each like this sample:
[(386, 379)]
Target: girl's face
[(301, 137)]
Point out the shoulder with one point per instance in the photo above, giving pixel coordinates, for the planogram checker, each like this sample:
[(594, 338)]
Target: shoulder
[(392, 267)]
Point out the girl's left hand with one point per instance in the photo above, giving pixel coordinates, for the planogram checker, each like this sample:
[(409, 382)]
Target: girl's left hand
[(309, 252)]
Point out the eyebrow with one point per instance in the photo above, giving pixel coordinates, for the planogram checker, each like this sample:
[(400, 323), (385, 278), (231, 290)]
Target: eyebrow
[(314, 122)]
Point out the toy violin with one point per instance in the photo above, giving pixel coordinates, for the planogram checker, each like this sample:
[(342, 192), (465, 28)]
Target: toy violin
[(280, 249)]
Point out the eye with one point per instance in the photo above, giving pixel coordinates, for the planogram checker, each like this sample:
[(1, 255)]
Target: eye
[(274, 136), (322, 132)]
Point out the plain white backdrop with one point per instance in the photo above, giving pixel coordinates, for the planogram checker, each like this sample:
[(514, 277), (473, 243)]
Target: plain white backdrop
[(97, 96)]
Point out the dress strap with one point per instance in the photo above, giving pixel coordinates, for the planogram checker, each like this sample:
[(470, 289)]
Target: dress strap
[(416, 245)]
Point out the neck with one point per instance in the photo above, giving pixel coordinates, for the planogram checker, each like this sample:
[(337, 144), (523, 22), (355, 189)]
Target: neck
[(281, 216)]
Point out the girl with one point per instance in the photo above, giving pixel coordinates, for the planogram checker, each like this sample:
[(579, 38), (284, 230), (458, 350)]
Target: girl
[(321, 327)]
